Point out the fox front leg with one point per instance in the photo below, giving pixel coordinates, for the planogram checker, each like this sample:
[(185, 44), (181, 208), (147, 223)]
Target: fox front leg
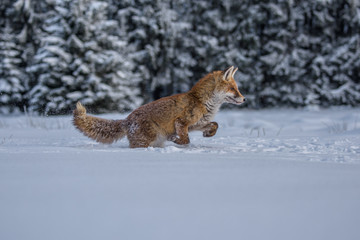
[(210, 129), (182, 133)]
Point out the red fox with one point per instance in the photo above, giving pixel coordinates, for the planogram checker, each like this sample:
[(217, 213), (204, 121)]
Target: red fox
[(169, 118)]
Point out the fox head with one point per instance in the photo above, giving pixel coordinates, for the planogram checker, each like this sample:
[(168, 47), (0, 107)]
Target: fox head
[(227, 86)]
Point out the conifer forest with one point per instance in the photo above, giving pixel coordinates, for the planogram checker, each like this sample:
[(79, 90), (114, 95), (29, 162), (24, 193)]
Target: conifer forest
[(115, 55)]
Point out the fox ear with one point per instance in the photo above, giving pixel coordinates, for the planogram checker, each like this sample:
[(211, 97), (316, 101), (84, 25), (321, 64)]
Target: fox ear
[(233, 72), (227, 73)]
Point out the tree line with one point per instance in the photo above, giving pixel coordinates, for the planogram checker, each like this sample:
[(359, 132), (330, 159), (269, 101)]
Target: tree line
[(116, 55)]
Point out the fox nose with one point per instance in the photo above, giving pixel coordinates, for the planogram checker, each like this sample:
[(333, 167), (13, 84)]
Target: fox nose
[(244, 99)]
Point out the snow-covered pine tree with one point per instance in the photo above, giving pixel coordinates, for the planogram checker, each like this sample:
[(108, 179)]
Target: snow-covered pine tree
[(12, 76), (13, 54), (337, 72), (81, 57), (282, 60), (158, 38), (49, 66), (102, 68)]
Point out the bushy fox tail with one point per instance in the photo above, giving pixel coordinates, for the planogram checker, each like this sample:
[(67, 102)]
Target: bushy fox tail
[(101, 130)]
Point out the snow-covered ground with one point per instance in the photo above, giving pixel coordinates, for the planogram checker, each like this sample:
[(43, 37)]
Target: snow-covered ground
[(270, 174)]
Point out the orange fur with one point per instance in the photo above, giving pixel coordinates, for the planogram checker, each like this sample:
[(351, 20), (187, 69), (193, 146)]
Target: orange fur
[(170, 118)]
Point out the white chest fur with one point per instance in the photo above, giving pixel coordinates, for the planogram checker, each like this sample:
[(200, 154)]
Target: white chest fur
[(212, 106)]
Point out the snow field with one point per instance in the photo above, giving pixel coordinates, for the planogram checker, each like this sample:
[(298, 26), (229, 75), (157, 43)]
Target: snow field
[(270, 174)]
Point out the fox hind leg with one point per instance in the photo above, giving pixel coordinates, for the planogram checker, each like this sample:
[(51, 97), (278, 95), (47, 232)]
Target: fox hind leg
[(141, 137), (141, 141)]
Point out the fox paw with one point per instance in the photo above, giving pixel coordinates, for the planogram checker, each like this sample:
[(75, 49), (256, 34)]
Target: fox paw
[(178, 140), (211, 131)]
